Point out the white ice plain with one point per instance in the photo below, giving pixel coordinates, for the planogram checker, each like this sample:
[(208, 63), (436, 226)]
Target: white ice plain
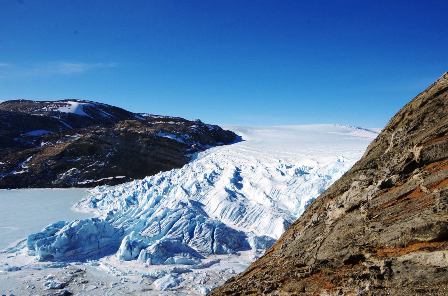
[(188, 230), (24, 211)]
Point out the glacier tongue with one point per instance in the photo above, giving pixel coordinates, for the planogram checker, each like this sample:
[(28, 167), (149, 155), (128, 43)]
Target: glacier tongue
[(229, 199)]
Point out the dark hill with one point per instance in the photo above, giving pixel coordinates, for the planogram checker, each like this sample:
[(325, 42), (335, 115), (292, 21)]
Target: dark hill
[(74, 143)]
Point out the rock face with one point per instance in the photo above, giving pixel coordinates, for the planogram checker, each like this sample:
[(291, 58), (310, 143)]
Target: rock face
[(73, 143), (380, 229)]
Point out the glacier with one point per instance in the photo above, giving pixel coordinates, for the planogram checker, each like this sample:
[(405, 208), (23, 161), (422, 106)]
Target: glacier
[(229, 200), (78, 240)]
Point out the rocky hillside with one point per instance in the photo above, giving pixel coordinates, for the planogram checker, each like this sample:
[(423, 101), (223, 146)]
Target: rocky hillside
[(382, 229), (74, 143)]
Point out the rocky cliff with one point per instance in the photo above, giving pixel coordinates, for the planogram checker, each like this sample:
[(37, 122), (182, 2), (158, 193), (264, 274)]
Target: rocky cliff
[(382, 229), (75, 143)]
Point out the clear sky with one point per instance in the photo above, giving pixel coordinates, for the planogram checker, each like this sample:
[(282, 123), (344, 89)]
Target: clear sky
[(227, 61)]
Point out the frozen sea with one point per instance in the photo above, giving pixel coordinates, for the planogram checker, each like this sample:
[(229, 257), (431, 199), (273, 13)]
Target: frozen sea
[(24, 211)]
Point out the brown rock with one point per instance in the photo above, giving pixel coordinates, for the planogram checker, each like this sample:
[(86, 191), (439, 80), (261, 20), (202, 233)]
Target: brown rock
[(40, 146)]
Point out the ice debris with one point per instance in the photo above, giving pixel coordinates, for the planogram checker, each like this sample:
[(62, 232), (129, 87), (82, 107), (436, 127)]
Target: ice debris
[(75, 241)]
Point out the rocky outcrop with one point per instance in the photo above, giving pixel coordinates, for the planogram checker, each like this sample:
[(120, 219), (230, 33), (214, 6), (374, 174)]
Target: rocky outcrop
[(382, 229), (75, 143)]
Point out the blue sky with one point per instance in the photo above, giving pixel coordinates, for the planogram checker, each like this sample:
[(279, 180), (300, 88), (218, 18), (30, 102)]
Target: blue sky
[(227, 62)]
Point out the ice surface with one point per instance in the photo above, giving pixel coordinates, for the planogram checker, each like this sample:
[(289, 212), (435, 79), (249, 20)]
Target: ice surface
[(166, 282), (22, 211), (228, 200), (75, 241)]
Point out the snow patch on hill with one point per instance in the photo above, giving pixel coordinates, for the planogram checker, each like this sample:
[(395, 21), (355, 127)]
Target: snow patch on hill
[(74, 107), (37, 133)]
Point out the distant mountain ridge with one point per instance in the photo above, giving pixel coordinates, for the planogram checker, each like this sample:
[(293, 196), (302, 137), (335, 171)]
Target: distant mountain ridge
[(80, 143)]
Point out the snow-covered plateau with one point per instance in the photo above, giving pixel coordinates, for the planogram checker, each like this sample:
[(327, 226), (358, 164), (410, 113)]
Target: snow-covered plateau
[(187, 230)]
